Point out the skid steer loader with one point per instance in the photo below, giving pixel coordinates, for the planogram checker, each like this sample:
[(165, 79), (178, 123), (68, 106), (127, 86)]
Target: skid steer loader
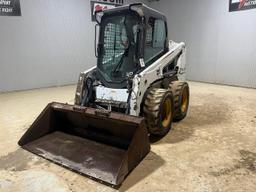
[(137, 89)]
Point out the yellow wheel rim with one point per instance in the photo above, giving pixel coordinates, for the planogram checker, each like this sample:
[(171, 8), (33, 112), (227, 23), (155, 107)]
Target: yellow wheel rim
[(184, 101), (167, 113)]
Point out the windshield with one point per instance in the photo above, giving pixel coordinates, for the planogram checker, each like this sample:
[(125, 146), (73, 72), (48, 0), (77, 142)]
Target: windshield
[(118, 46)]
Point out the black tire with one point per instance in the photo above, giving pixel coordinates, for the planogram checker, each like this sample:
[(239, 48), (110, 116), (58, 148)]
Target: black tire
[(180, 91), (158, 111)]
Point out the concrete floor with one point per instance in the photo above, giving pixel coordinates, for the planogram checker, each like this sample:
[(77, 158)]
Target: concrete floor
[(213, 149)]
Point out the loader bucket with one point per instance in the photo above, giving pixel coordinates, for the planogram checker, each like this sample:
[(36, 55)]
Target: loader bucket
[(102, 145)]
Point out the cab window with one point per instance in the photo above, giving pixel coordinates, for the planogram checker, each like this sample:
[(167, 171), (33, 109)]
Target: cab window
[(155, 40)]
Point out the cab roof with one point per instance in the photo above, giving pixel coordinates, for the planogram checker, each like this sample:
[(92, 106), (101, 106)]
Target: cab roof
[(141, 9)]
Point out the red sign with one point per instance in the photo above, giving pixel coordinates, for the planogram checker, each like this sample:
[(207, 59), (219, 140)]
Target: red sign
[(101, 6), (239, 5)]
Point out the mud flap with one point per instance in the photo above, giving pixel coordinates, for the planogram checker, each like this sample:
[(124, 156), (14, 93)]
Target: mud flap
[(102, 145)]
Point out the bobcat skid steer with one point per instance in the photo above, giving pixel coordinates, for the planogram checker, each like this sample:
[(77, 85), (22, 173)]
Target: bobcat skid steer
[(137, 89)]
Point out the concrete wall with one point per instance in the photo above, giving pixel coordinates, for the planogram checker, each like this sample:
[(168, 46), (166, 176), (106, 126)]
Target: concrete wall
[(221, 45), (48, 45)]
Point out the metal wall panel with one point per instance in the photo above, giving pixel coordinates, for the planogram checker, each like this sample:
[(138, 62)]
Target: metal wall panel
[(221, 45), (49, 45)]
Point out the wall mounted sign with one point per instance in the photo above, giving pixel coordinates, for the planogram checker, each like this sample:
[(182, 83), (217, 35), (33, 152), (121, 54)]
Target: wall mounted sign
[(103, 5), (10, 8), (239, 5)]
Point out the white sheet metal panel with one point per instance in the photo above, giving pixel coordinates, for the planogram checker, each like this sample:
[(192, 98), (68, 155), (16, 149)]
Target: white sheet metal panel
[(107, 94)]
